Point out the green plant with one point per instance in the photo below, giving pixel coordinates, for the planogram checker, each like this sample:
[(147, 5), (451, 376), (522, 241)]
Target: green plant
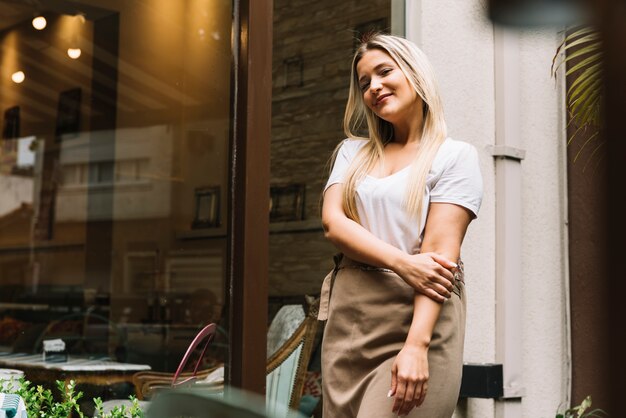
[(119, 411), (586, 92), (580, 411), (40, 401)]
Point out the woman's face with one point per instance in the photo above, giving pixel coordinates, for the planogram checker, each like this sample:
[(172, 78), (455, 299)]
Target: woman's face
[(385, 88)]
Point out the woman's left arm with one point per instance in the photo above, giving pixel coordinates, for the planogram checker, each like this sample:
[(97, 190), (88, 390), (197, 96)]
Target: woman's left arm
[(444, 231)]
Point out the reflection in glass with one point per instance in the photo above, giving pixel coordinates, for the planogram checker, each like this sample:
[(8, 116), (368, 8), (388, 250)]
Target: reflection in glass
[(74, 53), (101, 163), (18, 77), (39, 23)]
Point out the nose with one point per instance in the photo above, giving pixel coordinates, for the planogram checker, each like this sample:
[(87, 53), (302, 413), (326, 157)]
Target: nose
[(375, 84)]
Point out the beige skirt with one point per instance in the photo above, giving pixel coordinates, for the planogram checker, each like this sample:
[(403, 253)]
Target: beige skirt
[(368, 313)]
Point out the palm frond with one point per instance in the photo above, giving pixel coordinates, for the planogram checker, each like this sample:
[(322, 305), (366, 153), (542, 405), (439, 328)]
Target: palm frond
[(583, 81), (587, 63), (592, 154), (589, 49), (591, 138), (584, 95)]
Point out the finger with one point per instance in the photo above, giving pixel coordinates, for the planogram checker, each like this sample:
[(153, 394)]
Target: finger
[(434, 295), (442, 290), (410, 407), (443, 261), (394, 381), (422, 394), (445, 273), (441, 278), (399, 397), (408, 399)]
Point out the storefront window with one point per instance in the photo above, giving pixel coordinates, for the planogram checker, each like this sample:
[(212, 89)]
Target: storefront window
[(114, 162)]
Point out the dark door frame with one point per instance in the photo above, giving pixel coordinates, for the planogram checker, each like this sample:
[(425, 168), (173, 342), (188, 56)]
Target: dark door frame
[(249, 200)]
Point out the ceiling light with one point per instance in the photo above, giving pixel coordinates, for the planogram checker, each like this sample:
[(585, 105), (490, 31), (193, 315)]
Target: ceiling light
[(39, 22), (18, 77), (73, 53)]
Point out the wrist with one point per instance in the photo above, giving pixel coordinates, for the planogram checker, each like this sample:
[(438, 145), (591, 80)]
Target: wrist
[(417, 342), (398, 262)]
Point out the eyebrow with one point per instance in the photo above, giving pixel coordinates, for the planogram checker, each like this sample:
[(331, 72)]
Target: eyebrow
[(382, 64)]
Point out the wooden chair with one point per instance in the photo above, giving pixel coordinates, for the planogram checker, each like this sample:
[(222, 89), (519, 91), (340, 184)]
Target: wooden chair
[(286, 368)]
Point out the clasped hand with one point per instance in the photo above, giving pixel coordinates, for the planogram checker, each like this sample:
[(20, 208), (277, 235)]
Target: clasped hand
[(429, 274)]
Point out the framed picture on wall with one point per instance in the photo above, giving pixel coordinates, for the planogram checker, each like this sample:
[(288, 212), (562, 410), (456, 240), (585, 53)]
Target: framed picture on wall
[(207, 207), (287, 202), (11, 127), (68, 114)]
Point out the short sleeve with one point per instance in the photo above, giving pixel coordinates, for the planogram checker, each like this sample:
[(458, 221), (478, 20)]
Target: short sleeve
[(460, 181), (346, 153)]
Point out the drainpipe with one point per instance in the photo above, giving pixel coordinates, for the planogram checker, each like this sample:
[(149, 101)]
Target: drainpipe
[(508, 155)]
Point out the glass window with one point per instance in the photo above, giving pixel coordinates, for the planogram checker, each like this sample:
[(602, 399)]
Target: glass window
[(114, 166)]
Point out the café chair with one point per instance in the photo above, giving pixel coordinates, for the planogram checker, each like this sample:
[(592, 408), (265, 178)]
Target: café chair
[(146, 382), (158, 379), (287, 366)]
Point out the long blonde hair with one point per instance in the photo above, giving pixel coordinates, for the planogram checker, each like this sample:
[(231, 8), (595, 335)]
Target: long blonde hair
[(417, 69)]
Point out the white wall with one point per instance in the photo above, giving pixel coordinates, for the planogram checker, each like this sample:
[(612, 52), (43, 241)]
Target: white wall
[(459, 40), (546, 348)]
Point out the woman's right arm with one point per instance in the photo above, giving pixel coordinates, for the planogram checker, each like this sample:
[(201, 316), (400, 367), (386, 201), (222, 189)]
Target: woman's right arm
[(427, 273)]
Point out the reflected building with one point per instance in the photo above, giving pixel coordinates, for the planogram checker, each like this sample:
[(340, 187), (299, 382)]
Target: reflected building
[(114, 176)]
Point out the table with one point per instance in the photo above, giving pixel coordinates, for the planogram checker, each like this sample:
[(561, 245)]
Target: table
[(81, 369)]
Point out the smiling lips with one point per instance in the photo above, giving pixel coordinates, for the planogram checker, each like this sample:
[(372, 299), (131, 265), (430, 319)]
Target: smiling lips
[(381, 98)]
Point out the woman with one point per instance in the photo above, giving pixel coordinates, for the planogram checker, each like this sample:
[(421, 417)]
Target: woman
[(397, 205)]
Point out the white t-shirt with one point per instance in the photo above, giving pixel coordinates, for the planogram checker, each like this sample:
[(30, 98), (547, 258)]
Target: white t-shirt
[(453, 178)]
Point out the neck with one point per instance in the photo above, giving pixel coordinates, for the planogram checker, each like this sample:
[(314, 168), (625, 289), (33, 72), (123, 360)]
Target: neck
[(408, 128), (408, 132)]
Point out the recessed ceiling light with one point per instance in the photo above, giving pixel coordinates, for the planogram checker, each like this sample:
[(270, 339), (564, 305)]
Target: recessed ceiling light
[(73, 53), (39, 23), (18, 77)]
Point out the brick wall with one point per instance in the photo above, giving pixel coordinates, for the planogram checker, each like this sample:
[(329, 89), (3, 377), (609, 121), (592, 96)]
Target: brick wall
[(313, 46)]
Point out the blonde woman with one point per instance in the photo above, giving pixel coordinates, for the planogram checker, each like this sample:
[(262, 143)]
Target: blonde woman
[(397, 205)]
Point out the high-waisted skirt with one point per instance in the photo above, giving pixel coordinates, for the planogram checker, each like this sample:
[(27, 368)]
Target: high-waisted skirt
[(368, 313)]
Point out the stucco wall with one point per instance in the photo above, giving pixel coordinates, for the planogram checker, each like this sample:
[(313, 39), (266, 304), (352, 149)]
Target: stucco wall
[(544, 227), (459, 40)]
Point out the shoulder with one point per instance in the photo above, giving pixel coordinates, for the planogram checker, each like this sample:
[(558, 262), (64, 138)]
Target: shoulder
[(348, 148), (353, 144), (451, 151), (454, 147)]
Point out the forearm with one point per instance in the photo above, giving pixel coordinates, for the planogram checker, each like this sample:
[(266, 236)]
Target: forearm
[(359, 244), (425, 314), (425, 310)]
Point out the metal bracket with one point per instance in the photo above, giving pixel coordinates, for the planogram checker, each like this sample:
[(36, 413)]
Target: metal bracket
[(506, 152)]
